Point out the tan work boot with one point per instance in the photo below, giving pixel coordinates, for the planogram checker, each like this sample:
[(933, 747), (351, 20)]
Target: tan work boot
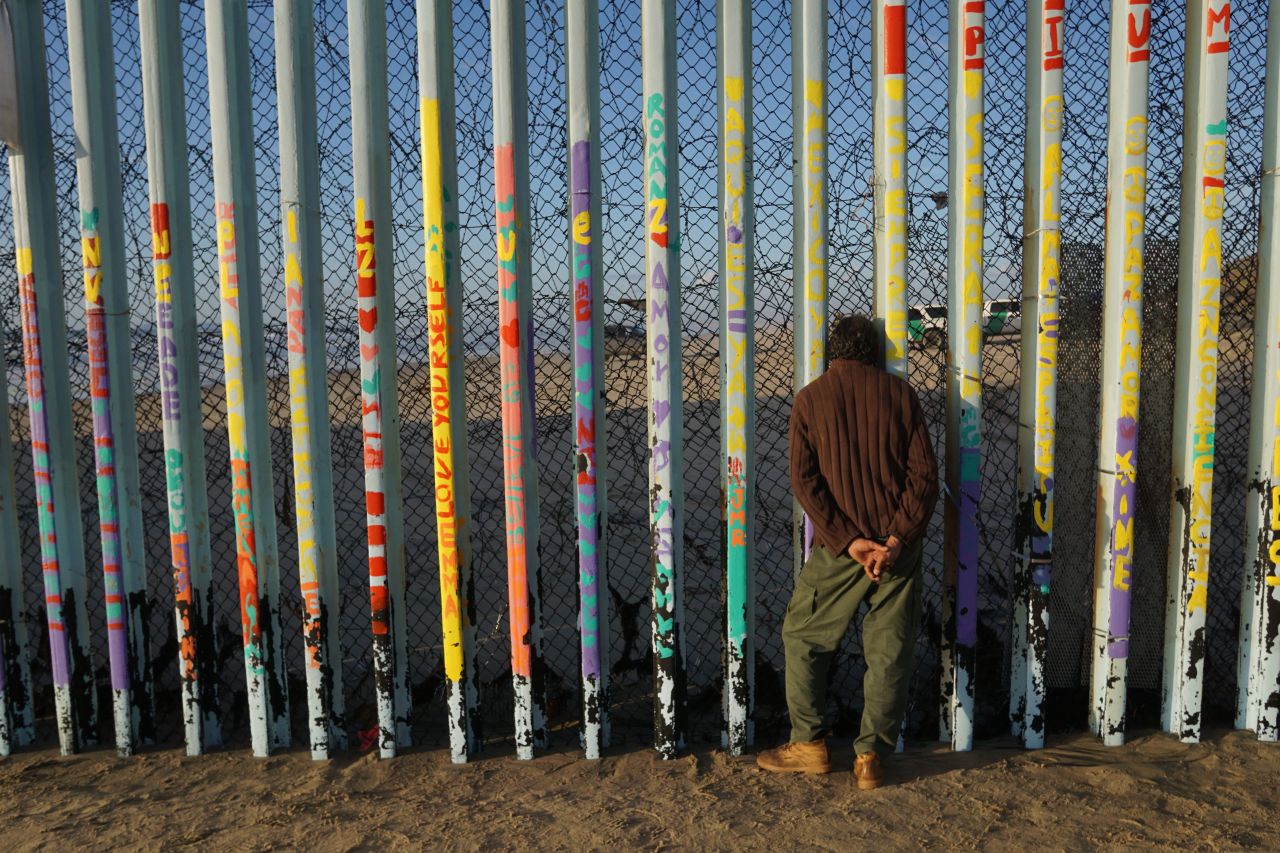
[(869, 772), (796, 758)]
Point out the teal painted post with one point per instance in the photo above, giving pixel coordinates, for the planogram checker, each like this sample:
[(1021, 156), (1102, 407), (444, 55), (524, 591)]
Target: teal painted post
[(110, 348)]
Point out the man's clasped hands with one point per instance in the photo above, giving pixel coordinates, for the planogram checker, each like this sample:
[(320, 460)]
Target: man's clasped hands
[(875, 558)]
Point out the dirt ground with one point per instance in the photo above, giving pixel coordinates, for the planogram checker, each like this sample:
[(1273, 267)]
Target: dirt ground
[(1153, 792)]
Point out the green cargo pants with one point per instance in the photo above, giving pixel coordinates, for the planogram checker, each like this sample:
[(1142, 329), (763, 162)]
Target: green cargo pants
[(828, 593)]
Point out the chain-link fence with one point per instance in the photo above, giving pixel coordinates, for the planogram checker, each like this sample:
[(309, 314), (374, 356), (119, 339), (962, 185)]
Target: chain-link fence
[(849, 262)]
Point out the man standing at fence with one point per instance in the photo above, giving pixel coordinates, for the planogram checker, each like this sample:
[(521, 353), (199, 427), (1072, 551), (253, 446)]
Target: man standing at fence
[(863, 469)]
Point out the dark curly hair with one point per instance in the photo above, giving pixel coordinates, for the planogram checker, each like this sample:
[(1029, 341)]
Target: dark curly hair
[(854, 338)]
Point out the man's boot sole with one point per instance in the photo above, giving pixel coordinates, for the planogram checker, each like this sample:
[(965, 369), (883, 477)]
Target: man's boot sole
[(869, 784), (811, 771)]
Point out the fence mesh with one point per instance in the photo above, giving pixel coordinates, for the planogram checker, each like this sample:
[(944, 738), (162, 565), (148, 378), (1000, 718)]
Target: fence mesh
[(849, 260)]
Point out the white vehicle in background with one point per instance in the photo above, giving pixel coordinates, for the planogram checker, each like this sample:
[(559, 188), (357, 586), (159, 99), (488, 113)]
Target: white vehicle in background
[(927, 324), (1002, 317)]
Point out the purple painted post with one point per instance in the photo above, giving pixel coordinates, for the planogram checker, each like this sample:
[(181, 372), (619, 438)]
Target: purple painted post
[(588, 391), (1125, 503), (1121, 366)]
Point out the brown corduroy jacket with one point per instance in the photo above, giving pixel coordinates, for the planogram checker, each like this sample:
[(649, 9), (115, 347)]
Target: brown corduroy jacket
[(862, 463)]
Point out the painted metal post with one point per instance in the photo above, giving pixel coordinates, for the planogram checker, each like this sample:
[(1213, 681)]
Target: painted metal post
[(236, 209), (44, 340), (515, 317), (809, 213), (664, 370), (1121, 364), (164, 95), (308, 384), (889, 159), (1041, 255), (107, 318), (1204, 149), (17, 715), (662, 276), (448, 400), (964, 363), (375, 284), (737, 370), (586, 276), (1258, 668)]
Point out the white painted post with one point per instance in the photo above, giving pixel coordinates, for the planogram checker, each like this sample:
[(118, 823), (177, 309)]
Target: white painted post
[(252, 503), (809, 110), (1121, 364), (665, 417), (889, 162), (308, 382), (965, 195), (1041, 277), (164, 97), (1258, 668)]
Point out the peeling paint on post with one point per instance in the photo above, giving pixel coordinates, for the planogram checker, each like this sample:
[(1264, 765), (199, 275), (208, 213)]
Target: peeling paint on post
[(110, 350), (1041, 255), (964, 368), (515, 320), (1258, 666), (252, 504), (737, 371), (164, 96), (380, 403), (44, 349), (1121, 364), (582, 64), (889, 157), (1204, 149), (448, 398), (809, 214), (308, 384), (662, 276)]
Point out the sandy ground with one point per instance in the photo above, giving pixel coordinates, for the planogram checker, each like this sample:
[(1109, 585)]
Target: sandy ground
[(1153, 792)]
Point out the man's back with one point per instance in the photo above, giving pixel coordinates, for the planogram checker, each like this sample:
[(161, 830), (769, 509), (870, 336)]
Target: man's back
[(862, 463)]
